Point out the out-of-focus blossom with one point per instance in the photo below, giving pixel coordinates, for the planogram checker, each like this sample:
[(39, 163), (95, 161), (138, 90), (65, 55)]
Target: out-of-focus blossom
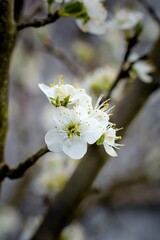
[(84, 51), (95, 19), (55, 170), (126, 19), (100, 79), (141, 68), (73, 232), (9, 221)]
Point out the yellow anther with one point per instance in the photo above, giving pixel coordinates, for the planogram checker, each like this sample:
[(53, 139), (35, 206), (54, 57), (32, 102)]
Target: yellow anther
[(51, 85), (60, 76), (119, 137), (75, 86), (106, 104)]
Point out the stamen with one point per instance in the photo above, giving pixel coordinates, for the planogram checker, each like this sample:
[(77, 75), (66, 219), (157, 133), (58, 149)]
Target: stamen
[(119, 137), (60, 76), (98, 101)]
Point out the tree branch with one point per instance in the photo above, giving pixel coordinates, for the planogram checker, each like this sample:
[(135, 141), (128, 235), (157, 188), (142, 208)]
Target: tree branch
[(19, 171), (61, 55), (18, 7), (38, 22), (123, 72), (7, 40), (62, 209)]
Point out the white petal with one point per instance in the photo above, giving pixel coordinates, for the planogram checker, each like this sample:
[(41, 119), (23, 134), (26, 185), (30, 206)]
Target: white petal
[(48, 91), (75, 148), (54, 140), (92, 26), (110, 150), (92, 132), (110, 136), (85, 101)]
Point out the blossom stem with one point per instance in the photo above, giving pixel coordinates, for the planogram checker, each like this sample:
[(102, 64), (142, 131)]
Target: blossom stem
[(38, 22), (18, 172), (123, 72)]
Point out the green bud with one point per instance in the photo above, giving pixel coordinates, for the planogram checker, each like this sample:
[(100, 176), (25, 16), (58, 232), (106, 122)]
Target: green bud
[(66, 101), (100, 140)]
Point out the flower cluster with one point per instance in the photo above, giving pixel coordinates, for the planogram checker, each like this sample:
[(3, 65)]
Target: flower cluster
[(76, 123), (90, 15)]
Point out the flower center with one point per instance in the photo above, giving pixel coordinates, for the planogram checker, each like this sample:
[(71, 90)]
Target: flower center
[(57, 102), (72, 130)]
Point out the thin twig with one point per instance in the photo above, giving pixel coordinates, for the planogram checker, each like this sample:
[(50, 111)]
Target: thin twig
[(122, 72), (18, 172), (38, 22), (150, 10), (61, 55)]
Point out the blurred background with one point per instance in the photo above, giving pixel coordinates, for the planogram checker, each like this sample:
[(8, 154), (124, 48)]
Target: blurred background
[(126, 205)]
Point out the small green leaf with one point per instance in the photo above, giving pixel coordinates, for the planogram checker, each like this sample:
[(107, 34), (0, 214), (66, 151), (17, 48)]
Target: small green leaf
[(74, 9)]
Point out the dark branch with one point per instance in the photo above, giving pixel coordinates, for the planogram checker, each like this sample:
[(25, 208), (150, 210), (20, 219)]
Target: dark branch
[(18, 8), (123, 72), (38, 22), (14, 173)]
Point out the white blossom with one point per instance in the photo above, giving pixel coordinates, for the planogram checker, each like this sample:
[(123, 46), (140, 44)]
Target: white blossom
[(126, 19), (100, 79), (71, 131), (63, 94), (96, 19), (109, 141), (142, 68)]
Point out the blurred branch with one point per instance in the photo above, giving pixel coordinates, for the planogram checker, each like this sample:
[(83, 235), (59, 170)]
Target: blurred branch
[(19, 171), (38, 22), (123, 72), (136, 190), (63, 57), (150, 10), (62, 209), (18, 6)]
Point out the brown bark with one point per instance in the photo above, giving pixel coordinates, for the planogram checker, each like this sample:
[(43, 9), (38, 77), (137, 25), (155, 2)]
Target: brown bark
[(7, 40)]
